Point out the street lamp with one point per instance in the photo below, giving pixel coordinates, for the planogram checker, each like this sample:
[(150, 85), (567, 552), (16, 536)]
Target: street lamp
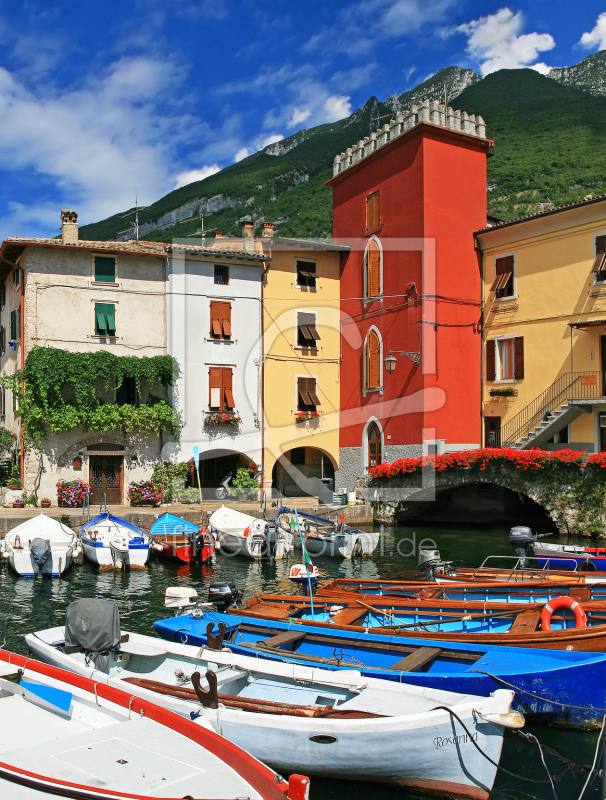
[(390, 363)]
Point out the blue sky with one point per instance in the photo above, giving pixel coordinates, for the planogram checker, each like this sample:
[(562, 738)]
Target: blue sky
[(99, 101)]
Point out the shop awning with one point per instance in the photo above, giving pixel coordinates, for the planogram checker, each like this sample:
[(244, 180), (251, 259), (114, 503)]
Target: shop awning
[(588, 323)]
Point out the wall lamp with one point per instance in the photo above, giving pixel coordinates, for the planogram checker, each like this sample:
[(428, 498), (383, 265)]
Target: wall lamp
[(391, 361)]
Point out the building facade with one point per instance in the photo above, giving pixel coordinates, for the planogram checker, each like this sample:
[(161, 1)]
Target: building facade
[(544, 298), (406, 201)]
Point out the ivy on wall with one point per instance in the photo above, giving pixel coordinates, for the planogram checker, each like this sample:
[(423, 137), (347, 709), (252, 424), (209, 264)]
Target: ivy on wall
[(43, 407)]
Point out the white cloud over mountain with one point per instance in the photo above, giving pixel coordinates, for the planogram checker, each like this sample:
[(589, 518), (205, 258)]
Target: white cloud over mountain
[(183, 178), (597, 36)]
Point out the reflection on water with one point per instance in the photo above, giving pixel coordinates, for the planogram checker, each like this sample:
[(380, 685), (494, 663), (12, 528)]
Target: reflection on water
[(33, 604)]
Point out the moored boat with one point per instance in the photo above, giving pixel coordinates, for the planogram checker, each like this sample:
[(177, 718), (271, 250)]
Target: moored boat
[(66, 735), (325, 537), (241, 534), (181, 539), (40, 546), (558, 687), (114, 543), (378, 731)]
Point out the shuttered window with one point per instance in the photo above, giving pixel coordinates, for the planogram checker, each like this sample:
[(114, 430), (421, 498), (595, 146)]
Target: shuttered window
[(505, 359), (307, 273), (502, 285), (220, 319), (126, 393), (490, 361), (373, 361), (599, 262), (105, 269), (373, 211), (307, 397), (373, 269), (105, 319), (16, 324), (2, 340), (518, 370), (220, 393), (307, 333)]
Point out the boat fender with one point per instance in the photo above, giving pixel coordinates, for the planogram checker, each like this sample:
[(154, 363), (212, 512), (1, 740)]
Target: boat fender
[(563, 602), (246, 532), (6, 554)]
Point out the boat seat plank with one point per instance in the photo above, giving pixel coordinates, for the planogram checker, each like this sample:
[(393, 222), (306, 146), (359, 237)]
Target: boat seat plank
[(271, 612), (526, 621), (349, 616), (417, 660), (283, 638)]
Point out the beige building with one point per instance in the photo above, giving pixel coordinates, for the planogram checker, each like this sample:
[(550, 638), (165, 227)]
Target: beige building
[(544, 311), (83, 297)]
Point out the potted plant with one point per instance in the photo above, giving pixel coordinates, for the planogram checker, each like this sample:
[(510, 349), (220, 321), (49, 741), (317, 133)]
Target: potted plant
[(18, 502), (14, 483), (45, 502), (245, 483), (144, 493), (72, 493)]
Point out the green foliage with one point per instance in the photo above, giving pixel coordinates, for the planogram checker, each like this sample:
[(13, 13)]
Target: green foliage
[(49, 371), (170, 479), (7, 441), (245, 481), (30, 499)]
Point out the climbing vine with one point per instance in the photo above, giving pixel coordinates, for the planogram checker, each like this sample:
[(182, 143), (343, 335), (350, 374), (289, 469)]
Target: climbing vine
[(63, 390)]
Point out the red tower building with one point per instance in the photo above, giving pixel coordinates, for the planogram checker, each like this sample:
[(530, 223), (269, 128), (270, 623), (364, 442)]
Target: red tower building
[(407, 199)]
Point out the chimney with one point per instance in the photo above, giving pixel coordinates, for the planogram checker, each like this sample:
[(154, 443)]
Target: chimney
[(268, 230), (218, 235), (69, 227), (248, 229)]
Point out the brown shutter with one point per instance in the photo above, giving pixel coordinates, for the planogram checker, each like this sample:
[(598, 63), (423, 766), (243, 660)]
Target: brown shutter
[(373, 211), (227, 388), (598, 262), (215, 318), (215, 382), (373, 258), (226, 319), (311, 391), (600, 244), (519, 357), (373, 354), (490, 360), (304, 398), (504, 271)]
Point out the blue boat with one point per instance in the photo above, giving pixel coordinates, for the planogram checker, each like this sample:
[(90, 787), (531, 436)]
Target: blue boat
[(112, 542), (558, 687)]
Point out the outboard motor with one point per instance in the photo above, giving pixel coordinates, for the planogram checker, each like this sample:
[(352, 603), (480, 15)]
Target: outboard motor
[(93, 625), (40, 550), (429, 561), (522, 538), (271, 538), (223, 595)]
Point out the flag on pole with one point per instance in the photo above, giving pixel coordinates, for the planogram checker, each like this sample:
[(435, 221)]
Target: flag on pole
[(293, 526)]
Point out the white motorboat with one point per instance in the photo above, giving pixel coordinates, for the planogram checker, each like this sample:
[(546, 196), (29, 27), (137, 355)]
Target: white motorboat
[(306, 719), (114, 543), (241, 534), (40, 546), (325, 537), (67, 736)]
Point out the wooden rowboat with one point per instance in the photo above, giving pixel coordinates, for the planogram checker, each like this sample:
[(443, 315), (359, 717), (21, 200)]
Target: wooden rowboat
[(180, 539)]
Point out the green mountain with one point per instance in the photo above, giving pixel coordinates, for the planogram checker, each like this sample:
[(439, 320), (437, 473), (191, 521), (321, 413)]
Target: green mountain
[(549, 134)]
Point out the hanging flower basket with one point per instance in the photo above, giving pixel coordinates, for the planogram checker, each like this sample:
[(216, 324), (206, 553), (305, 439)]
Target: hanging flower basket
[(72, 493), (144, 493), (222, 418)]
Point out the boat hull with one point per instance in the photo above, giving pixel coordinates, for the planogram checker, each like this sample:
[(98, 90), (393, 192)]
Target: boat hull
[(57, 563), (100, 553)]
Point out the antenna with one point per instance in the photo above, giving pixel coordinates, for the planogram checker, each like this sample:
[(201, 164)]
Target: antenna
[(445, 99), (134, 225)]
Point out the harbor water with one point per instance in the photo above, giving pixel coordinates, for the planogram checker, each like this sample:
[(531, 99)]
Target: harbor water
[(33, 604)]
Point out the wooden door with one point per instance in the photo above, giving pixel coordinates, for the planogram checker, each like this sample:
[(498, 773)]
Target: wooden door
[(106, 477), (374, 446), (492, 431)]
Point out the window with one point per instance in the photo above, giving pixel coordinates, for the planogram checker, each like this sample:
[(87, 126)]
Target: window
[(220, 397), (307, 334), (307, 398), (16, 324), (2, 295), (2, 401), (105, 319), (105, 269), (502, 285), (374, 445), (307, 273), (373, 269), (297, 456), (16, 277), (221, 274), (599, 262), (373, 361), (220, 319), (2, 340), (505, 359), (373, 211), (127, 393)]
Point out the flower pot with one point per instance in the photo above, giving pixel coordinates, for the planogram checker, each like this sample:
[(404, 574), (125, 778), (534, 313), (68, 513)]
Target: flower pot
[(45, 504), (18, 505), (242, 497)]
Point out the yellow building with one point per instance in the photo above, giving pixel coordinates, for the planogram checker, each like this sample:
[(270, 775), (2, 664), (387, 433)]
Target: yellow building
[(301, 364), (544, 312)]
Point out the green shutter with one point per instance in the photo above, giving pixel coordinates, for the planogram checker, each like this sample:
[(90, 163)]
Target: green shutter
[(110, 315), (13, 326), (18, 313), (105, 269), (100, 321)]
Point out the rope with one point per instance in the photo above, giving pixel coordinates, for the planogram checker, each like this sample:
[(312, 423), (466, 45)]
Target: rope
[(595, 758), (569, 765), (536, 696)]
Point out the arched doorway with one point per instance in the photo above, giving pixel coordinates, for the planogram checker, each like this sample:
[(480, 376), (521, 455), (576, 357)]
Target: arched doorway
[(375, 450), (215, 465), (298, 472)]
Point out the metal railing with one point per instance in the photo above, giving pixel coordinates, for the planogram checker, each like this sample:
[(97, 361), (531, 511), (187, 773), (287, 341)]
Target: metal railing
[(570, 386)]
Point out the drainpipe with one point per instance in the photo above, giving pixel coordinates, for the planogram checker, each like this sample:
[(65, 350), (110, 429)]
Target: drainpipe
[(22, 348), (262, 409)]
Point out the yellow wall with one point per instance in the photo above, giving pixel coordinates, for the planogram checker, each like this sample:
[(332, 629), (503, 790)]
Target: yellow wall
[(554, 286), (284, 361)]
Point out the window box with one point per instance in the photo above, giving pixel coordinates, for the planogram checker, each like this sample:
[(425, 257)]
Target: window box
[(503, 392), (227, 418), (303, 415)]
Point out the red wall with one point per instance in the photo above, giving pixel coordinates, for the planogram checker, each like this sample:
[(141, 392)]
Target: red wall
[(433, 186)]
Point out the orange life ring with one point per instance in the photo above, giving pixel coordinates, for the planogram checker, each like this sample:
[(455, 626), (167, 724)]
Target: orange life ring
[(563, 602)]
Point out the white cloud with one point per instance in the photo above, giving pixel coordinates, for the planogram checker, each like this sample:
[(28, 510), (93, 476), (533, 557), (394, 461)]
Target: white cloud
[(597, 36), (495, 42), (298, 116), (183, 178), (337, 107), (275, 137), (242, 153)]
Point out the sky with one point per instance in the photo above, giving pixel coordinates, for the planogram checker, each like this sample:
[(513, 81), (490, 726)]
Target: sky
[(104, 102)]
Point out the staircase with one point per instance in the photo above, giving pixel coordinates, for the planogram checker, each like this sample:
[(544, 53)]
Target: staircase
[(573, 394)]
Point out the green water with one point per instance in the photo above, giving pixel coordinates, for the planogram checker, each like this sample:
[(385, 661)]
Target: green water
[(28, 605)]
